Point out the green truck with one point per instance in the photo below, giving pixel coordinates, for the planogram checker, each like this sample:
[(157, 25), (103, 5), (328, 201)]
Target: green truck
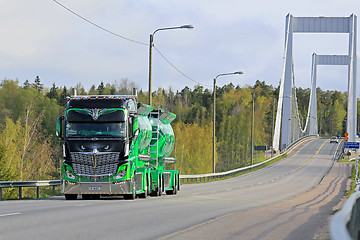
[(116, 146)]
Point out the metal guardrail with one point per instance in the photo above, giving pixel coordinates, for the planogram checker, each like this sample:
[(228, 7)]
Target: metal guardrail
[(339, 151), (345, 223), (21, 184), (212, 176)]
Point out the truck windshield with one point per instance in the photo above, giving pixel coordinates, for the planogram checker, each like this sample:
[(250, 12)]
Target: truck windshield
[(99, 129)]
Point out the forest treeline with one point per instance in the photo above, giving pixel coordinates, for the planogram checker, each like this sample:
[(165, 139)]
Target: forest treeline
[(29, 149)]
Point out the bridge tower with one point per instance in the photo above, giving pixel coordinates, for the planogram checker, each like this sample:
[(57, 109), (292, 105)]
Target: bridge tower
[(284, 116)]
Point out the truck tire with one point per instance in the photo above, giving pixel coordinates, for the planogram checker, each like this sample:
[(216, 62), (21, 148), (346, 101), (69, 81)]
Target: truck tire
[(175, 185), (178, 182), (132, 195), (158, 190), (70, 196), (145, 194), (161, 186), (148, 179), (174, 190)]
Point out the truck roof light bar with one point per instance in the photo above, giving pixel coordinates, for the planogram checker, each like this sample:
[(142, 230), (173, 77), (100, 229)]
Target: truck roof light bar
[(119, 97)]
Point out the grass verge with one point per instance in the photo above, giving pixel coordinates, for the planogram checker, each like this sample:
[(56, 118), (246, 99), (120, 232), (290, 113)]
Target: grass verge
[(353, 175)]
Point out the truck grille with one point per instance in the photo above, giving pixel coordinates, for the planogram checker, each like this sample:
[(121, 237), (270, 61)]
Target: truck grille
[(95, 166)]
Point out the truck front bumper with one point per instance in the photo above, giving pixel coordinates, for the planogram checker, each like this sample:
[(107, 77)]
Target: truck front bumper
[(103, 188)]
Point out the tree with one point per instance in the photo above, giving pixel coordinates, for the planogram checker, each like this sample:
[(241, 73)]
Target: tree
[(62, 98), (93, 90), (26, 84), (37, 84), (53, 92), (101, 88), (80, 89)]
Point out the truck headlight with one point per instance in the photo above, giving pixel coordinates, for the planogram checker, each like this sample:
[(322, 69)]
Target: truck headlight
[(121, 174)]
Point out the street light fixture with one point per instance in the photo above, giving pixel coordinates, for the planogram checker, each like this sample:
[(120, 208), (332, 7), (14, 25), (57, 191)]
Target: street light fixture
[(150, 52), (252, 122), (214, 113)]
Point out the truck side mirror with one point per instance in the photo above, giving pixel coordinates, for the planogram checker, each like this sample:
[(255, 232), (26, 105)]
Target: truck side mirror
[(59, 128)]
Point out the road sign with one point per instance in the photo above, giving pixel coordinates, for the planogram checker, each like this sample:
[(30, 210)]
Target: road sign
[(351, 145), (260, 148)]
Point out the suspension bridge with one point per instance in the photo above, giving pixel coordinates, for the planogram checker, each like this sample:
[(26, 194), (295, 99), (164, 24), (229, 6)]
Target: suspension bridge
[(288, 128)]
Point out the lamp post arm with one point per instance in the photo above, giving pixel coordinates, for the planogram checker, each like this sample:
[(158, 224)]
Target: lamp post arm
[(170, 28), (224, 74)]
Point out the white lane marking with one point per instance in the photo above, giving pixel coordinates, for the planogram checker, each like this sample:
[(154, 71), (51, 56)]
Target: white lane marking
[(83, 205), (9, 214)]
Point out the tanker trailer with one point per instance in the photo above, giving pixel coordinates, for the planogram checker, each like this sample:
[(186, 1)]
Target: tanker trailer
[(161, 146)]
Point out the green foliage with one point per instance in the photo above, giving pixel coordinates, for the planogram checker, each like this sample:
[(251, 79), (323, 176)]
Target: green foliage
[(26, 153), (193, 148), (28, 149), (27, 137), (331, 112)]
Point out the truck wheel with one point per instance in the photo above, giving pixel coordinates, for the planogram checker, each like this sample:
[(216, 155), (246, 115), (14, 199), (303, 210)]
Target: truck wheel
[(145, 194), (157, 191), (70, 196), (160, 187), (178, 183), (132, 195), (148, 180), (175, 185), (173, 191)]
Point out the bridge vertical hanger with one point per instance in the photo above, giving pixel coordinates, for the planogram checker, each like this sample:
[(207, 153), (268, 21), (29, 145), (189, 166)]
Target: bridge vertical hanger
[(284, 113)]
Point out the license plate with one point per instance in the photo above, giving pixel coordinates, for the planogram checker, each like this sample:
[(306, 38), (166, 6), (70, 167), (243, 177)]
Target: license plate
[(94, 188)]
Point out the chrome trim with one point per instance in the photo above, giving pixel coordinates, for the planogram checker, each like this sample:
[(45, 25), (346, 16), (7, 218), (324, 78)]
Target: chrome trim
[(169, 160), (106, 188), (95, 165), (144, 157)]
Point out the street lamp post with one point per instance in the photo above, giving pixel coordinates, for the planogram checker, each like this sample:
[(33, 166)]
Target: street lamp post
[(252, 122), (272, 128), (150, 53), (214, 113)]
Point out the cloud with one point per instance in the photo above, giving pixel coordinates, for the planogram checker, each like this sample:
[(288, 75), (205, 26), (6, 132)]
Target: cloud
[(42, 38)]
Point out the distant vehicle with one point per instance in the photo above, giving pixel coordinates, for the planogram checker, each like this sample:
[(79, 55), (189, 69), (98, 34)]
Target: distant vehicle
[(334, 140)]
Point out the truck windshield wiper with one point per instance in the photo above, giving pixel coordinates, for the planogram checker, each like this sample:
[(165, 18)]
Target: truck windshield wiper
[(106, 135), (76, 135)]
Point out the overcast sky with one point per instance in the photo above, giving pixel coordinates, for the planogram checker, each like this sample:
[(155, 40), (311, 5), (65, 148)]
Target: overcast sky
[(39, 37)]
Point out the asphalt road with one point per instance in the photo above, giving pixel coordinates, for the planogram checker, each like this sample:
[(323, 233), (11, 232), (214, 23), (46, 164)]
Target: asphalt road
[(170, 216)]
